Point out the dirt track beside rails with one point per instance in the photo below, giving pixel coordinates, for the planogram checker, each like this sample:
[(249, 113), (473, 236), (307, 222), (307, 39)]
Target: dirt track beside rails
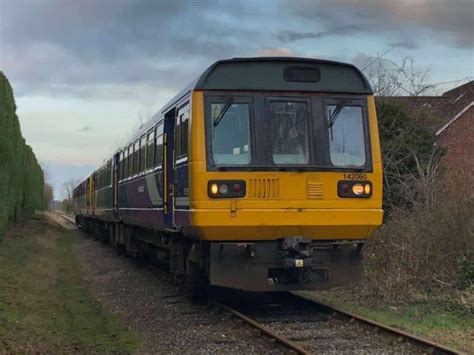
[(151, 306)]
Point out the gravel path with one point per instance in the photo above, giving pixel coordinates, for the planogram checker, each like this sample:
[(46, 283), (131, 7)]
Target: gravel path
[(153, 307)]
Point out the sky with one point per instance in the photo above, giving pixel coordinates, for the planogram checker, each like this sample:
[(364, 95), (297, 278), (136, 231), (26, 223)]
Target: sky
[(86, 73)]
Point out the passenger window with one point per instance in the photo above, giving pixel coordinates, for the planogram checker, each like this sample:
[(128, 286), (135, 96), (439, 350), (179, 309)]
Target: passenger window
[(109, 175), (230, 133), (136, 157), (130, 161), (159, 151), (125, 164), (122, 165), (346, 136), (150, 154), (289, 130), (142, 153), (177, 139)]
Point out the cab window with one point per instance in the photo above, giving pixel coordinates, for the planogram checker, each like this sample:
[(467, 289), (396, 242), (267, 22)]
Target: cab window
[(289, 131), (346, 136), (230, 133)]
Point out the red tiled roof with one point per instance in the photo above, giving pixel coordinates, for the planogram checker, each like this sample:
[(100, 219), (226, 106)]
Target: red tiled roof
[(436, 111)]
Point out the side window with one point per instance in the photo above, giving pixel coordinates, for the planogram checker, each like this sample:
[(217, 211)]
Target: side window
[(109, 175), (142, 153), (130, 161), (121, 166), (181, 132), (124, 164), (159, 145), (177, 138), (136, 157), (159, 151), (150, 153)]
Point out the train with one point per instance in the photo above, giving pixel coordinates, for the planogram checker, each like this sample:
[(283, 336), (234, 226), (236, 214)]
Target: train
[(263, 174)]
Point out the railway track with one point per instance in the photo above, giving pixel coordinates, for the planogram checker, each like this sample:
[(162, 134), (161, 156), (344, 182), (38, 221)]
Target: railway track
[(304, 326), (309, 327)]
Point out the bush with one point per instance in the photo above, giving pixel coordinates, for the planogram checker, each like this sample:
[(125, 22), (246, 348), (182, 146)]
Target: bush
[(427, 251), (21, 177), (407, 147), (466, 271)]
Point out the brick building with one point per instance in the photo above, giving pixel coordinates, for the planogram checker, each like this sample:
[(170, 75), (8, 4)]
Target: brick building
[(457, 134), (450, 117)]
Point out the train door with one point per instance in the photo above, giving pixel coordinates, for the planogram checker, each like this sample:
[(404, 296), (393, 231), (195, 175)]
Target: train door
[(168, 176)]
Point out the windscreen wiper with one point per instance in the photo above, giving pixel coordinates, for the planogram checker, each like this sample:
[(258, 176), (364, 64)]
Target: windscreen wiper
[(335, 114), (223, 111)]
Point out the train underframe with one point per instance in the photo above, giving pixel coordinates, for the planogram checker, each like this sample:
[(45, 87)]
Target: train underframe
[(292, 263)]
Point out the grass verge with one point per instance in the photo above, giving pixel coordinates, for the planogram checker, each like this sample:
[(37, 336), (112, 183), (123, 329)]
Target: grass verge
[(430, 319), (45, 304)]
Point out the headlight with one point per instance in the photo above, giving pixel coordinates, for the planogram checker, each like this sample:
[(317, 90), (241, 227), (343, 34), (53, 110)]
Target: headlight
[(354, 189), (226, 188)]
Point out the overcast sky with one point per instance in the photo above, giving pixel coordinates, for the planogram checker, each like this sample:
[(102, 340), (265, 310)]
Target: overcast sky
[(84, 71)]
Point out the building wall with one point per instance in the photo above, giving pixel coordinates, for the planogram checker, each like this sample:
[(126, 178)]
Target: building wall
[(458, 139)]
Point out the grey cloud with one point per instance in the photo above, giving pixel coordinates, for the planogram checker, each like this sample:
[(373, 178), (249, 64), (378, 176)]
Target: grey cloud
[(67, 47), (85, 129), (403, 44), (449, 22), (70, 46), (290, 36)]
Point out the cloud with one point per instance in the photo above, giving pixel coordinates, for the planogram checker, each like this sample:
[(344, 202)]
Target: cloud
[(403, 44), (444, 21), (290, 36), (69, 47), (85, 129)]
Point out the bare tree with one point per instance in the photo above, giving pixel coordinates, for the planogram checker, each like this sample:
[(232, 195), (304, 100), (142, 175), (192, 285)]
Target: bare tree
[(389, 78), (48, 196), (68, 192), (68, 188)]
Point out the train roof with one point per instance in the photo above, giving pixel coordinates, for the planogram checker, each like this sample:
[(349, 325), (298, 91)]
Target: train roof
[(284, 74)]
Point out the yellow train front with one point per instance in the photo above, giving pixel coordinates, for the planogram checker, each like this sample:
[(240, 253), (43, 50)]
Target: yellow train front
[(285, 173), (264, 174)]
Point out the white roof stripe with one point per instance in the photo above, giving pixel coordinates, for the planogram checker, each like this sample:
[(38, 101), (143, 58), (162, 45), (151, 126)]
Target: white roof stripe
[(451, 121)]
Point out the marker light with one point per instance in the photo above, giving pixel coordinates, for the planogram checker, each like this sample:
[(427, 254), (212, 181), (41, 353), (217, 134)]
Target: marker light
[(358, 189), (224, 189), (354, 189), (367, 189)]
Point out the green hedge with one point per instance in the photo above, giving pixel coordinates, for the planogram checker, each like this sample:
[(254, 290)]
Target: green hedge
[(21, 177)]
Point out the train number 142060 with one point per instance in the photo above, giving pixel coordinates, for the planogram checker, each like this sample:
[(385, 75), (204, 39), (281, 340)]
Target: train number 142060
[(355, 176)]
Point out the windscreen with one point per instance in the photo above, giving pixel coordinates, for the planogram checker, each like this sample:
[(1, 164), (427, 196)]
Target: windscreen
[(289, 122), (230, 133), (287, 132), (346, 137)]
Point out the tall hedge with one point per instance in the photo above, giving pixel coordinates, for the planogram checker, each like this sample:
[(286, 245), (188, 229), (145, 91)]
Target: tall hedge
[(21, 177)]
